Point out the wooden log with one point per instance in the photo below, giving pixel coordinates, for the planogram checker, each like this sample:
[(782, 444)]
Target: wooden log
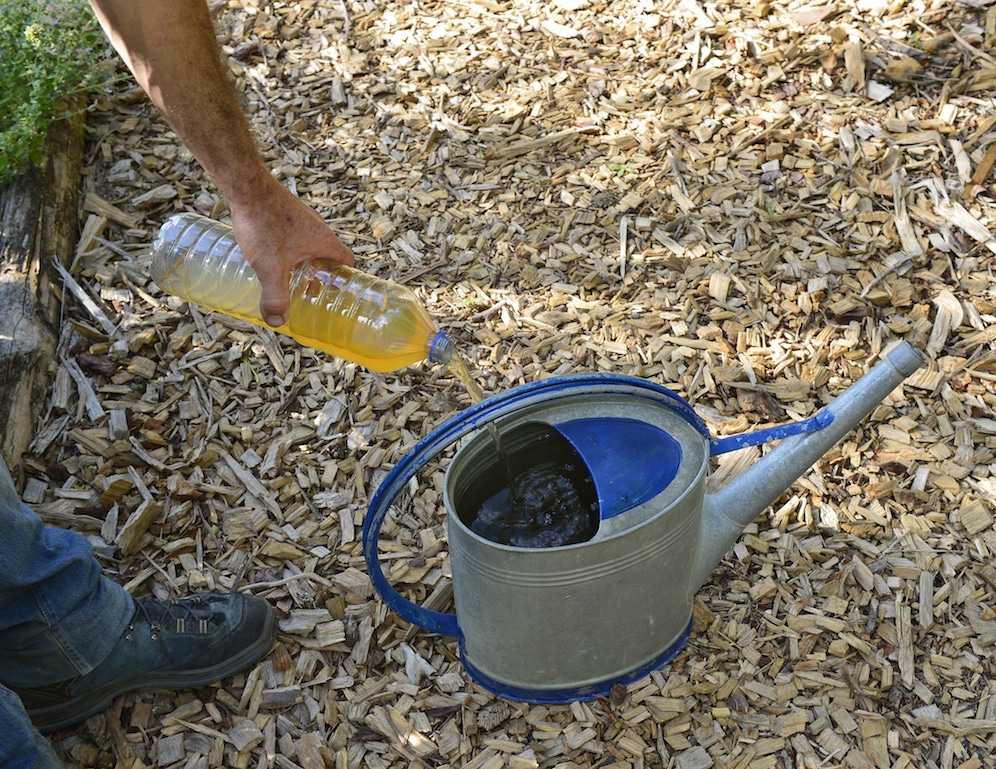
[(38, 224)]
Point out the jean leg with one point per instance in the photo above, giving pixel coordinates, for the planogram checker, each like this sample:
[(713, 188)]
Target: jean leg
[(59, 616), (21, 746)]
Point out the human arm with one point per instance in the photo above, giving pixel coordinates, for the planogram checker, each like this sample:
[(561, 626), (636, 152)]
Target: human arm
[(171, 49)]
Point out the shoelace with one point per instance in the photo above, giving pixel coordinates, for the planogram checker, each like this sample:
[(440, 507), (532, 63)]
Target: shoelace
[(181, 616)]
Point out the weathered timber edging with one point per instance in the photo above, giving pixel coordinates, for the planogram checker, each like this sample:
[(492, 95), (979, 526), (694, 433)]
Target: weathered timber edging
[(38, 223)]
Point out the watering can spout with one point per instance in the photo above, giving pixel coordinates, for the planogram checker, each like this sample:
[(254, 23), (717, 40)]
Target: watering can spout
[(726, 512)]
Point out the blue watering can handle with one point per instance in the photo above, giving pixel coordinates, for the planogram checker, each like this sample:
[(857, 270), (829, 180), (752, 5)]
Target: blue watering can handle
[(461, 424), (380, 505), (734, 442)]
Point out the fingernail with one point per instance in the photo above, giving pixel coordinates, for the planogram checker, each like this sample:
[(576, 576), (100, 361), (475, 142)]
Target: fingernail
[(274, 320)]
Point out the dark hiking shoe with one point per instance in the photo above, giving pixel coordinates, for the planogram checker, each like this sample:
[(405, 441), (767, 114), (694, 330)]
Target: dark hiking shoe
[(193, 641)]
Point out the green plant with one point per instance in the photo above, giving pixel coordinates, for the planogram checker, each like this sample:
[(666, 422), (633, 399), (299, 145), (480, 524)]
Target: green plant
[(621, 169), (51, 50)]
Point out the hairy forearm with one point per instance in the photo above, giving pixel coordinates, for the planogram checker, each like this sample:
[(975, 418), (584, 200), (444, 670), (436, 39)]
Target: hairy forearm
[(171, 49)]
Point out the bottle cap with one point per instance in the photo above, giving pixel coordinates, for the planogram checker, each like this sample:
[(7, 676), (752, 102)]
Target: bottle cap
[(441, 348)]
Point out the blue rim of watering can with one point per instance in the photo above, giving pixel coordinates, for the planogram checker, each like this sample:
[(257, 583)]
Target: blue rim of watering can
[(478, 416)]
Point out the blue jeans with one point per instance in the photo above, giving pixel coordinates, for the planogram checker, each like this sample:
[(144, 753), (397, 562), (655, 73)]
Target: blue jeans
[(59, 618)]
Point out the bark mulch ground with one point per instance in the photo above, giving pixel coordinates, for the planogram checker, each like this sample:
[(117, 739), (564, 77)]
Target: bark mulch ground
[(746, 202)]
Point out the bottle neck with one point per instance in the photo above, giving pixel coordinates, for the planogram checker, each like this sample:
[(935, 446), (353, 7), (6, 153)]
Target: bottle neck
[(441, 348)]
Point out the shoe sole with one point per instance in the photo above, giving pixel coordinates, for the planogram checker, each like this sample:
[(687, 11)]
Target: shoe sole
[(55, 717)]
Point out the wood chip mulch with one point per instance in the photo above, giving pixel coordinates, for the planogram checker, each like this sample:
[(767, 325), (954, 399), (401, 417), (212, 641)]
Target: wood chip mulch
[(746, 202)]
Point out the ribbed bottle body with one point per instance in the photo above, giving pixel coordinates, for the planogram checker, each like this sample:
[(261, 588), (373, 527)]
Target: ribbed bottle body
[(341, 310)]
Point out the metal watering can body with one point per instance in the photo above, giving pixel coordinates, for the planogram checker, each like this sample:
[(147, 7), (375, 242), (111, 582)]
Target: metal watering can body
[(542, 624), (556, 624)]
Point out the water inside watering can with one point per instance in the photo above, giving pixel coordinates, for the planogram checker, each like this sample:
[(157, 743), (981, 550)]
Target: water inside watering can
[(549, 501), (548, 498)]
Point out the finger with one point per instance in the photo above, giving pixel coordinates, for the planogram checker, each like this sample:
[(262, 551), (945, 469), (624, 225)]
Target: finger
[(274, 300)]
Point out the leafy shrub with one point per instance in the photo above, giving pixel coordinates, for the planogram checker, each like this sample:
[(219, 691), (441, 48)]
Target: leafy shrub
[(50, 50)]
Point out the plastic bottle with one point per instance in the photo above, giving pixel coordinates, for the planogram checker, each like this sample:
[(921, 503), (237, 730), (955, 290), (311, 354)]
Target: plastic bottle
[(334, 308)]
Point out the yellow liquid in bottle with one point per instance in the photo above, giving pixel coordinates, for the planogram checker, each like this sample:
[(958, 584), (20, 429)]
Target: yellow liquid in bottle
[(373, 322), (340, 310)]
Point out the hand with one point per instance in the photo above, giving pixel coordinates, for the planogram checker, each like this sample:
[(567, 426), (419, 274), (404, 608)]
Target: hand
[(277, 232)]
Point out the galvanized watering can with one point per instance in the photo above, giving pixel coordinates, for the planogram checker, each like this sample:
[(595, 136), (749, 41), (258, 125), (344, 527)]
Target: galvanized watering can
[(562, 623)]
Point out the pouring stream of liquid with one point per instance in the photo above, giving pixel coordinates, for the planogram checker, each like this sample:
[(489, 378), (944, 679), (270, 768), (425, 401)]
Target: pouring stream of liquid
[(459, 367)]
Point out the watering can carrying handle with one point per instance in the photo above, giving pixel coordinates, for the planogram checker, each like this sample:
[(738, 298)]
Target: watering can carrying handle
[(380, 505), (756, 438)]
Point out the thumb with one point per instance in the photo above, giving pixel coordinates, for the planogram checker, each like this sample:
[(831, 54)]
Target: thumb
[(274, 300)]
